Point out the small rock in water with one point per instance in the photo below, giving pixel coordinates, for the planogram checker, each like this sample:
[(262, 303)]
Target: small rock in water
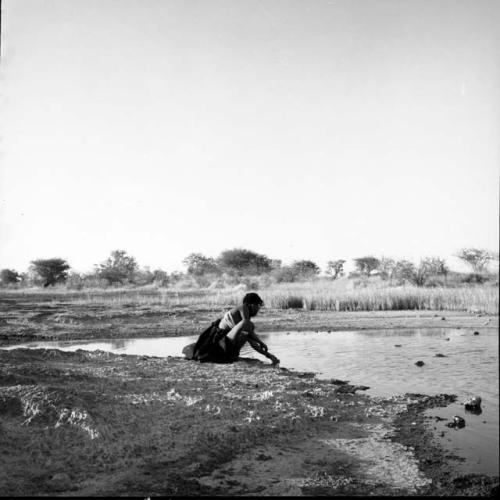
[(476, 333), (397, 345), (439, 355), (447, 338), (443, 318), (420, 363), (475, 410), (458, 422), (474, 401), (473, 405)]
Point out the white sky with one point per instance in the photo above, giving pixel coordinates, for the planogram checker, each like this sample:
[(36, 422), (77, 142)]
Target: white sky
[(298, 129)]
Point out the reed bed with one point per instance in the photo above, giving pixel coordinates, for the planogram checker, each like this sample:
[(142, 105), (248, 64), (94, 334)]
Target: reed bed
[(340, 295), (471, 299)]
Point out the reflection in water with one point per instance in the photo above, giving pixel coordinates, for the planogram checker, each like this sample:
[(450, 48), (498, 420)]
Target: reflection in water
[(119, 344), (407, 332), (467, 366), (474, 411)]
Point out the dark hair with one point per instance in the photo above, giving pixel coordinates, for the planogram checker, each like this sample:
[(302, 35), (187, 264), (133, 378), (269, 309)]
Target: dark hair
[(252, 298)]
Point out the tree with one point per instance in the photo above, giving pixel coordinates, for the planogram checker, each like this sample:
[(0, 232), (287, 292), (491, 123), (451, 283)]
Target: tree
[(118, 268), (404, 270), (75, 281), (284, 274), (241, 261), (386, 267), (143, 276), (160, 277), (275, 264), (51, 271), (198, 265), (305, 268), (477, 258), (175, 277), (335, 268), (434, 266), (365, 265), (8, 276), (297, 271), (429, 267)]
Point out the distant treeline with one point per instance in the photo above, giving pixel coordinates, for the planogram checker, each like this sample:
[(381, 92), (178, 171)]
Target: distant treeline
[(256, 270)]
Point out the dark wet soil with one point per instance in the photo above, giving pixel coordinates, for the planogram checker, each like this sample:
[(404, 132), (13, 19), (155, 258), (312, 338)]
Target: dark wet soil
[(82, 423)]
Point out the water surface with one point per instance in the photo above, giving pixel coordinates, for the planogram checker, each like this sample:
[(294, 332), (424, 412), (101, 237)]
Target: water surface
[(385, 361)]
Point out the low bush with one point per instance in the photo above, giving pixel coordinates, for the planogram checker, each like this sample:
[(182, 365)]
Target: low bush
[(474, 278)]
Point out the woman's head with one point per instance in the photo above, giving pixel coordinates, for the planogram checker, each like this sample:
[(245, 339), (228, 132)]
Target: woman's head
[(254, 302)]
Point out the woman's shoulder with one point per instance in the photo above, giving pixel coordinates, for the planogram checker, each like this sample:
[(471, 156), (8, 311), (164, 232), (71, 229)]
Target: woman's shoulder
[(229, 319)]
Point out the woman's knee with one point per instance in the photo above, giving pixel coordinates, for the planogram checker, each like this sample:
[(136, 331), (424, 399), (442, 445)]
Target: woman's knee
[(248, 326), (242, 335), (240, 339)]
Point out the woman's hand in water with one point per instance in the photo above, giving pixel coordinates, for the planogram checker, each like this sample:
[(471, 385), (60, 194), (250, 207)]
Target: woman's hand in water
[(274, 359)]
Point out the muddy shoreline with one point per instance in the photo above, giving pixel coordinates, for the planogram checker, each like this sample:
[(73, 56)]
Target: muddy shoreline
[(81, 423)]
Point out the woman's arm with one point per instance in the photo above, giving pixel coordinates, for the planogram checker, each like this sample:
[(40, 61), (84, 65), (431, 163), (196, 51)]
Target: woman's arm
[(244, 311), (261, 347)]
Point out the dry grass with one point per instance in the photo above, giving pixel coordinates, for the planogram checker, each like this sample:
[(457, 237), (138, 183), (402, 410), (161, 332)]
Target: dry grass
[(376, 298), (340, 295)]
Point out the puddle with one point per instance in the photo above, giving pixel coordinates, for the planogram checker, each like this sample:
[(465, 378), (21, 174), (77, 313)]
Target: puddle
[(469, 367)]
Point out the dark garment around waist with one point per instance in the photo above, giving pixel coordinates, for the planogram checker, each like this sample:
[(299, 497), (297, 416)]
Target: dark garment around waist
[(208, 347)]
